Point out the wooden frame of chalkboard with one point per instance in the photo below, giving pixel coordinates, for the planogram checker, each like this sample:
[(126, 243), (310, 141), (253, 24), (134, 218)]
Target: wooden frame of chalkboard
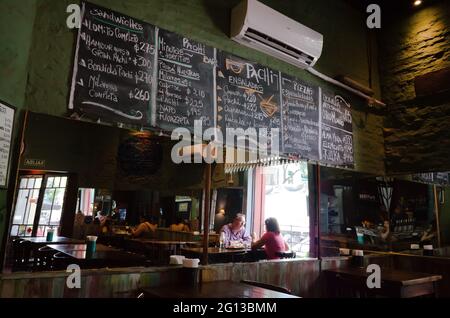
[(7, 115)]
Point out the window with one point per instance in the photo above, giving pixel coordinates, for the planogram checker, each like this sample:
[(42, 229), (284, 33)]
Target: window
[(27, 198), (282, 192), (86, 200), (39, 204), (52, 204)]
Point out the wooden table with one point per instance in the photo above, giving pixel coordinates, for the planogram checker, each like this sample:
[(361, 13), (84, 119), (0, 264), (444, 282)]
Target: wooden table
[(217, 254), (42, 240), (36, 242), (216, 289), (158, 250), (352, 281), (103, 255)]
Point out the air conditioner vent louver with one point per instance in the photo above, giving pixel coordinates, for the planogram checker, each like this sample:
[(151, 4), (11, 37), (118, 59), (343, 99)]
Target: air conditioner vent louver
[(257, 26), (266, 40)]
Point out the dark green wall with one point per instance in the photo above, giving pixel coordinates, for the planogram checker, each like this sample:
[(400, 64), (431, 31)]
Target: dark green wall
[(16, 25), (52, 44)]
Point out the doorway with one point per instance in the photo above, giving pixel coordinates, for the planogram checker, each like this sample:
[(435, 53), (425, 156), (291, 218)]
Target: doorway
[(39, 204)]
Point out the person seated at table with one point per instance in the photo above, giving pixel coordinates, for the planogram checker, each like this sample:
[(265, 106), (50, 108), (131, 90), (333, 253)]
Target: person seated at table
[(106, 229), (386, 235), (78, 225), (179, 225), (235, 233), (272, 240), (145, 229), (397, 217), (429, 236), (91, 226), (101, 217)]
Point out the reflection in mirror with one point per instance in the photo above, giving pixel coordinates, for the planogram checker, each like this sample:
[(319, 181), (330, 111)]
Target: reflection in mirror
[(361, 211)]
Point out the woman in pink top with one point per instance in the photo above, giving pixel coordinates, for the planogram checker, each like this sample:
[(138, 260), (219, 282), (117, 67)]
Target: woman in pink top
[(272, 240)]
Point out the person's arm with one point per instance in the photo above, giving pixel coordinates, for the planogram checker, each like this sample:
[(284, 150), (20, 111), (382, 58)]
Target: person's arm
[(139, 230), (246, 238), (260, 243), (286, 246)]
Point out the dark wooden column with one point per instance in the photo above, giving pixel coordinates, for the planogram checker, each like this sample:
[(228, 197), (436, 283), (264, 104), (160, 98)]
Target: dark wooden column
[(207, 190)]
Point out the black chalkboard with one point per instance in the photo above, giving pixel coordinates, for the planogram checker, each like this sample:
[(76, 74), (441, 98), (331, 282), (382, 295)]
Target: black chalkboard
[(300, 105), (248, 96), (336, 130), (185, 82), (113, 68)]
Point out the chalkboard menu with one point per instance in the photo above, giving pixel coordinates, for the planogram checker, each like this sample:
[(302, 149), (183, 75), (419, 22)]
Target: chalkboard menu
[(6, 130), (336, 130), (300, 104), (113, 68), (185, 82), (248, 96), (131, 72)]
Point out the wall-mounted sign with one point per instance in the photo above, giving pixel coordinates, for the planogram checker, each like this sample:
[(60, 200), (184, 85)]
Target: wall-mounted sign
[(6, 129), (131, 72), (113, 68), (35, 163)]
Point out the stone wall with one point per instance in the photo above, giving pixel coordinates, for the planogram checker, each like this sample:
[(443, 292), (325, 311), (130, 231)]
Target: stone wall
[(413, 45), (417, 138)]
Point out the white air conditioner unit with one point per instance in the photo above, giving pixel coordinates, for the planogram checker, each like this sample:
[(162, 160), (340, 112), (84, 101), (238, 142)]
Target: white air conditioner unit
[(258, 26)]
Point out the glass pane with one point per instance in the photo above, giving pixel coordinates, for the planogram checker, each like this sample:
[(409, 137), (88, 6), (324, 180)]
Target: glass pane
[(23, 183), (22, 229), (49, 195), (57, 207), (41, 230), (30, 183), (37, 184), (29, 230), (50, 182), (14, 230), (21, 204), (286, 199), (56, 182), (32, 204), (63, 182)]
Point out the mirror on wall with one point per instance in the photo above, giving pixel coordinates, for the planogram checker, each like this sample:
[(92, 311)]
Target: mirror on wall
[(395, 213)]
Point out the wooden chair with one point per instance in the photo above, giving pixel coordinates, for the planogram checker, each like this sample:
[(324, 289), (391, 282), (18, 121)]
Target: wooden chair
[(17, 254), (24, 260), (60, 261), (43, 258), (268, 286)]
